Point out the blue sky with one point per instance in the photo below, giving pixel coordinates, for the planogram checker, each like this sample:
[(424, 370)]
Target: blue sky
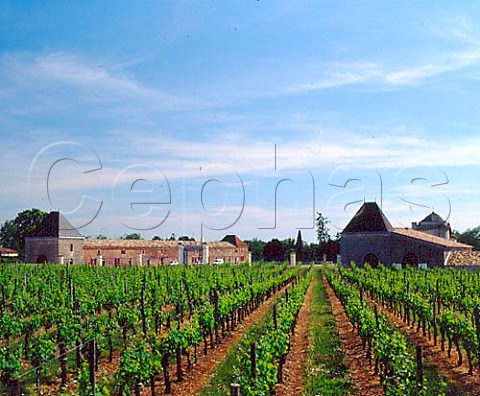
[(188, 117)]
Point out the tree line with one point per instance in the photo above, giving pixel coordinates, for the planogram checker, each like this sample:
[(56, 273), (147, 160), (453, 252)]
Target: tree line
[(326, 247)]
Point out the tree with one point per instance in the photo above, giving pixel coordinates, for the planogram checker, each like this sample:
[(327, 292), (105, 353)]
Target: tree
[(322, 229), (186, 238), (274, 251), (256, 246), (101, 236), (299, 246), (470, 237), (13, 232), (134, 236), (288, 247)]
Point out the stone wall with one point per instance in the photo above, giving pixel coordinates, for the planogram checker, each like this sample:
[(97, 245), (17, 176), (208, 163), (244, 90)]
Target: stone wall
[(71, 250), (424, 252), (54, 250), (38, 249), (122, 256), (354, 247)]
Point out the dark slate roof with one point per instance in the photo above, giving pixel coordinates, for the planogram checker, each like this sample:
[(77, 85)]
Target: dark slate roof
[(369, 218), (433, 218), (55, 225)]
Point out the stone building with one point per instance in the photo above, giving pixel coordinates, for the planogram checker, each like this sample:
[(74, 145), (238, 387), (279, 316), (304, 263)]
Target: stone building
[(433, 224), (55, 240), (120, 252), (7, 253), (370, 238)]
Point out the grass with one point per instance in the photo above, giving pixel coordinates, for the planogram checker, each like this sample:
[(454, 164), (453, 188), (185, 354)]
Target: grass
[(325, 371)]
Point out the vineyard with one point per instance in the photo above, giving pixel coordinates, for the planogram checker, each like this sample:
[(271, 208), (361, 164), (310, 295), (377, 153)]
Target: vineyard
[(238, 329)]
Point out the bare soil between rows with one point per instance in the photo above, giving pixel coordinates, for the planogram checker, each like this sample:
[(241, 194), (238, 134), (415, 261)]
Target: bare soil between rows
[(359, 368), (448, 366), (296, 358), (196, 378)]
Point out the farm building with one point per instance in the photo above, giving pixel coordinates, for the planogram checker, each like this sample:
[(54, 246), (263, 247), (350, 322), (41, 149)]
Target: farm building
[(8, 253), (124, 252), (370, 238), (56, 240)]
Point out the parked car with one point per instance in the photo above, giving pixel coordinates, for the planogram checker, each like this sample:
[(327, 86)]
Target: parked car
[(218, 261), (174, 263)]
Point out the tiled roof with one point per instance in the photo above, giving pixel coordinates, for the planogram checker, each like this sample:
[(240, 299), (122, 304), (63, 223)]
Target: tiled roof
[(369, 218), (458, 258), (4, 250), (450, 243), (128, 244), (234, 240), (220, 244), (433, 218), (55, 225), (140, 244)]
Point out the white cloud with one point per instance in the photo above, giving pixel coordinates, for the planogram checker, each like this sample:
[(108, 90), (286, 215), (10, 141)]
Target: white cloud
[(444, 64), (53, 76)]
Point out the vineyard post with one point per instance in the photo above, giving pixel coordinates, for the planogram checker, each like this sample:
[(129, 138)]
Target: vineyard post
[(281, 363), (435, 332), (437, 293), (166, 374), (179, 313), (234, 390), (92, 349), (253, 359), (15, 387), (178, 353), (275, 323), (4, 303), (419, 366), (217, 314), (476, 314), (144, 321)]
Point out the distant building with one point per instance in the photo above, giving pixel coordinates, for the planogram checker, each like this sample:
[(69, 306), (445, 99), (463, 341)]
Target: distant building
[(8, 253), (370, 238), (56, 240), (433, 224)]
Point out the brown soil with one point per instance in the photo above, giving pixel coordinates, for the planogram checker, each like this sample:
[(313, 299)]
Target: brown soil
[(296, 358), (359, 368), (448, 366), (195, 379)]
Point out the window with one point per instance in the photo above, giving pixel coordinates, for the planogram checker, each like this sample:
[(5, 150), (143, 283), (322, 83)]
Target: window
[(71, 247), (124, 251), (98, 252)]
